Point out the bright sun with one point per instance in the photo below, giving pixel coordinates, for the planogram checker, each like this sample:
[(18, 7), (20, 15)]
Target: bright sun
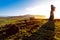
[(44, 9), (56, 3)]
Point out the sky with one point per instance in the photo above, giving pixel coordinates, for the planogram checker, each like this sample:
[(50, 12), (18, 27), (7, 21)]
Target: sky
[(33, 7)]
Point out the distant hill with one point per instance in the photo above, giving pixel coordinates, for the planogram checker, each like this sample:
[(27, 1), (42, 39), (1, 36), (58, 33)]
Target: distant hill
[(35, 16), (26, 16)]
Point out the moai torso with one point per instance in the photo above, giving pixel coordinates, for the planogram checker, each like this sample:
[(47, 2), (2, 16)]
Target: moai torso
[(52, 13)]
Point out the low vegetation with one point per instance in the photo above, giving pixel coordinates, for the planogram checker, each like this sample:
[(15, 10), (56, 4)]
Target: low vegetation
[(17, 28)]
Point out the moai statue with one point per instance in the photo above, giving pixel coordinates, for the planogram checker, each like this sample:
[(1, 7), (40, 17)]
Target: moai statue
[(52, 13)]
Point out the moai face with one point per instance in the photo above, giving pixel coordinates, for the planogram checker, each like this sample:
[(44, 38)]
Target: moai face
[(52, 8)]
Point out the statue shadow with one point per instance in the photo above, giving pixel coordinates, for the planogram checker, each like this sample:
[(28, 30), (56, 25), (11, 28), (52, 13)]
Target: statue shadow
[(45, 32)]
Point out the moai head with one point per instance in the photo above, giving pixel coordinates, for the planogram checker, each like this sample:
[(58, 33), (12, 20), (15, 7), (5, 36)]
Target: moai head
[(52, 8)]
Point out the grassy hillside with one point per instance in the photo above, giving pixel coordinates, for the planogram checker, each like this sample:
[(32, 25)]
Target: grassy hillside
[(22, 26), (10, 20)]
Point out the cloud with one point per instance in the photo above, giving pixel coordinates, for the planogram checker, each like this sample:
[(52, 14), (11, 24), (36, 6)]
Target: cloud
[(43, 9)]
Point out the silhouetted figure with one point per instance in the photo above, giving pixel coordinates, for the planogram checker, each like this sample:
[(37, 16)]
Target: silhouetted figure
[(47, 31), (52, 13)]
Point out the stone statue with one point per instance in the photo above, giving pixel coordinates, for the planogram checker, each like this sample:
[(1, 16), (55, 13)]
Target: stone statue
[(52, 13)]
